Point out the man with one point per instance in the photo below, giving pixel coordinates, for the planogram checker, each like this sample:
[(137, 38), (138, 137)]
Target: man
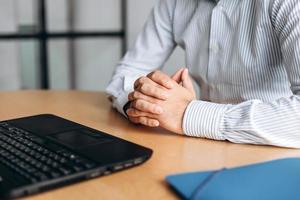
[(245, 56)]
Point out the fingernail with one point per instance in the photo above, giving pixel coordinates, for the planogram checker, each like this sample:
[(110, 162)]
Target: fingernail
[(158, 110), (165, 96), (170, 85), (156, 123)]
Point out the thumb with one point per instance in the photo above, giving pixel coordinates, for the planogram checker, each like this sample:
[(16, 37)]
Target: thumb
[(177, 76), (187, 81)]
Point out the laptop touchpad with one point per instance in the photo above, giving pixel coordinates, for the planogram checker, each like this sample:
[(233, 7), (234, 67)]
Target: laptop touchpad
[(80, 138)]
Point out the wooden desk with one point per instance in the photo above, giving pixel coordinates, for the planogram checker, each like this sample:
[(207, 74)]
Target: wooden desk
[(172, 153)]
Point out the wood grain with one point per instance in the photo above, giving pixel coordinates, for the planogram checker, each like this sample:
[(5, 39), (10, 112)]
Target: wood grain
[(172, 153)]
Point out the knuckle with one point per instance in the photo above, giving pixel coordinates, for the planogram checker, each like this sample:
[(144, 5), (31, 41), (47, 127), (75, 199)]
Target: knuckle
[(142, 106), (137, 81), (143, 79), (130, 112), (139, 103), (142, 120), (150, 74), (130, 95), (134, 104), (136, 112), (155, 74), (135, 95), (144, 88), (131, 104)]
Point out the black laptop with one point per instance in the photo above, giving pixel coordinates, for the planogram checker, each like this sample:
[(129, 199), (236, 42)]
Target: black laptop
[(42, 152)]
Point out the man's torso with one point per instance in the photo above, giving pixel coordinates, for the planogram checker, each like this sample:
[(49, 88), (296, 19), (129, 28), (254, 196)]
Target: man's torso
[(231, 49)]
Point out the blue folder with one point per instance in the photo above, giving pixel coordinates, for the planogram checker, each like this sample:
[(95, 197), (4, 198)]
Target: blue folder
[(274, 180)]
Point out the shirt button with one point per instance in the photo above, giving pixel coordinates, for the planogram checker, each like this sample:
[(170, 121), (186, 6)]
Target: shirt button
[(214, 47)]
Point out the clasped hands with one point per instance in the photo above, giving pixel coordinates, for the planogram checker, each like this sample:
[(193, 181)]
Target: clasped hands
[(160, 100)]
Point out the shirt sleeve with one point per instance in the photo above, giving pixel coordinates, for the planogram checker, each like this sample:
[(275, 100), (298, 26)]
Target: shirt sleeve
[(150, 51), (256, 122)]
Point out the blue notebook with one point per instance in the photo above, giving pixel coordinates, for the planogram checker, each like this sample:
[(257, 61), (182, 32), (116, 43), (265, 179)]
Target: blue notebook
[(274, 180)]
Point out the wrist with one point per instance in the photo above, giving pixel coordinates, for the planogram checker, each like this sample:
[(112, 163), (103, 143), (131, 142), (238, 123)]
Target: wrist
[(181, 129), (203, 119)]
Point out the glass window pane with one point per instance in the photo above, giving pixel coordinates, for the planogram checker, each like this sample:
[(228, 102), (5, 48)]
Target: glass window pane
[(29, 63), (8, 19), (27, 16), (57, 15), (59, 64), (18, 16), (19, 65), (88, 63), (10, 74), (84, 15)]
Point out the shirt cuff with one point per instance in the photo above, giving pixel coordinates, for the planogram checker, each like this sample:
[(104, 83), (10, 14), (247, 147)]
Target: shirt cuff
[(120, 102), (203, 119), (119, 91)]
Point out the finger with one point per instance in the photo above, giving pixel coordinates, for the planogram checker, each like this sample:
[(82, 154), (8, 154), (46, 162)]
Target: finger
[(187, 81), (145, 106), (145, 121), (138, 95), (161, 79), (148, 122), (153, 91), (177, 76), (134, 119), (141, 81), (132, 112)]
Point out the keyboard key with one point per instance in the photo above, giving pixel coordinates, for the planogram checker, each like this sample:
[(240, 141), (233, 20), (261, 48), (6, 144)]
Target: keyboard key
[(65, 171), (26, 154), (55, 174), (77, 168)]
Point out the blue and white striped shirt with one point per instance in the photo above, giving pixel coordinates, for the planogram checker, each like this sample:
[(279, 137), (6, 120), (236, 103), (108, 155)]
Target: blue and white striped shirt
[(245, 56)]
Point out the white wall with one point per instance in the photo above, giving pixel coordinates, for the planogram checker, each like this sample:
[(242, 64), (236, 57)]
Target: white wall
[(95, 58)]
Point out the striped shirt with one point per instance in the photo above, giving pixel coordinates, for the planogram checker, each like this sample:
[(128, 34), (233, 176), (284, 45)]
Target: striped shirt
[(245, 56)]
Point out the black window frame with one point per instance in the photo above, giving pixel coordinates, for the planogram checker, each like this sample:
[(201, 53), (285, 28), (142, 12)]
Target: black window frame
[(43, 36)]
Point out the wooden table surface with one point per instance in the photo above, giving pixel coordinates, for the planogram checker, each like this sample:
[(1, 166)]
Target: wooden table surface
[(172, 153)]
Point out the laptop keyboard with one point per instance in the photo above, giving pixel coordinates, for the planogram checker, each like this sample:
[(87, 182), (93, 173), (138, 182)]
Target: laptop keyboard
[(26, 155)]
